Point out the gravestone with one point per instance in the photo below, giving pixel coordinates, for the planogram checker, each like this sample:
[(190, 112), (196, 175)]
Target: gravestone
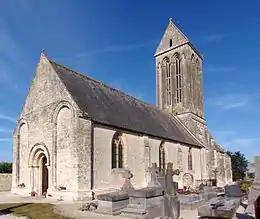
[(113, 202), (147, 202), (254, 190), (219, 207), (201, 186), (152, 173), (208, 193), (171, 201), (171, 187), (233, 191), (256, 165), (187, 180), (127, 186)]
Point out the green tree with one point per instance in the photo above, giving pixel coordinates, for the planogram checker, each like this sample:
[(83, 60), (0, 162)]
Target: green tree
[(239, 164), (5, 167)]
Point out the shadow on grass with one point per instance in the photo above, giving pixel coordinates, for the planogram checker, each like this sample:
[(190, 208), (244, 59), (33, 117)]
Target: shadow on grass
[(244, 216), (10, 210)]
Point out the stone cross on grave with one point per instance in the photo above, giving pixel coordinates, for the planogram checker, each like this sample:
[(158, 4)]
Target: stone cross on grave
[(256, 165), (153, 172), (171, 186), (127, 186)]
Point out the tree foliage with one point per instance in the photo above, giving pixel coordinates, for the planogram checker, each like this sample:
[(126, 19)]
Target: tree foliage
[(239, 165), (5, 167)]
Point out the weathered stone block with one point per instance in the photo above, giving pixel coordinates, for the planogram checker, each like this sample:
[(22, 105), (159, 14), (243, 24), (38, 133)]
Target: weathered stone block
[(145, 203), (220, 207), (112, 203), (233, 191), (5, 182)]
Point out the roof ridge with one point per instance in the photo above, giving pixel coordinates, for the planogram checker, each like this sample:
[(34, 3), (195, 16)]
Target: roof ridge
[(109, 87)]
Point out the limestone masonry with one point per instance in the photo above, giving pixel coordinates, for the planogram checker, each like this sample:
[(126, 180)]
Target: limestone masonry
[(5, 182), (75, 135)]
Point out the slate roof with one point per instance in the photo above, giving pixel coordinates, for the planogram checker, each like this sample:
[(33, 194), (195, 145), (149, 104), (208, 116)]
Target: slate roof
[(112, 107)]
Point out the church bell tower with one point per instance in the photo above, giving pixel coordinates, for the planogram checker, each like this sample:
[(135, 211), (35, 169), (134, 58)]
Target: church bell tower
[(178, 75)]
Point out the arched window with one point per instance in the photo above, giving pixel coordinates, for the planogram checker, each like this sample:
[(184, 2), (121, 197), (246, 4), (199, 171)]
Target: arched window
[(180, 159), (198, 76), (192, 78), (189, 159), (168, 83), (117, 151), (178, 79), (192, 57), (162, 157)]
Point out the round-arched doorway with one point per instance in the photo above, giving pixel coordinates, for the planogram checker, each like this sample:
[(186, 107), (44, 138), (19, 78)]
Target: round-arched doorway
[(44, 175), (39, 162)]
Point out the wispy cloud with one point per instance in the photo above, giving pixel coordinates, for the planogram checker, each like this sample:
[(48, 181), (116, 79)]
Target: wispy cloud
[(224, 134), (236, 141), (233, 105), (111, 49), (25, 4), (8, 118), (6, 139), (219, 69), (241, 143), (11, 56), (230, 101), (214, 37), (2, 129), (9, 48), (7, 79)]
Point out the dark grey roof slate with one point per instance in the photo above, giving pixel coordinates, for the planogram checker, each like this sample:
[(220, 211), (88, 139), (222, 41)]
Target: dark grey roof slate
[(112, 107)]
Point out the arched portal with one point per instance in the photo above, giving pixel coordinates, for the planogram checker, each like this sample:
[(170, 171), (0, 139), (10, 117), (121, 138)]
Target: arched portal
[(44, 175), (39, 162)]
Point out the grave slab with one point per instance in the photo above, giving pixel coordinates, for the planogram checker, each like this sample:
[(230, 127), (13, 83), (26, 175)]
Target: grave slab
[(112, 203), (220, 207)]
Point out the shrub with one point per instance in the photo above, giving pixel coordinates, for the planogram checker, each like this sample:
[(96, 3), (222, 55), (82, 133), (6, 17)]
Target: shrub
[(244, 186), (5, 167)]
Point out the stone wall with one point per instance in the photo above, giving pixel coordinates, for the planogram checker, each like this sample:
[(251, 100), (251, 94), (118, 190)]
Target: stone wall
[(48, 127), (139, 153), (5, 181)]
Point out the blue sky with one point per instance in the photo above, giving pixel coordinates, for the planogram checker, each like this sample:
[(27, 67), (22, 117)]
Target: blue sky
[(114, 41)]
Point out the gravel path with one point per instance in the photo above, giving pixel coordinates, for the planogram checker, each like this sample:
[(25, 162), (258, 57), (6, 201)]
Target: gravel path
[(71, 210), (10, 216)]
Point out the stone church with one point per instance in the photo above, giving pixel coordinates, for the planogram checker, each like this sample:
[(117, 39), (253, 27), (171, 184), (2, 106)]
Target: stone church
[(76, 135)]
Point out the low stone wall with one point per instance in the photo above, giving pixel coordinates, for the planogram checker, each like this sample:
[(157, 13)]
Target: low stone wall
[(5, 182)]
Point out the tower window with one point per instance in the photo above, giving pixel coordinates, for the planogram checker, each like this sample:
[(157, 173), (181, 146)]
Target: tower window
[(168, 83), (178, 80), (170, 42)]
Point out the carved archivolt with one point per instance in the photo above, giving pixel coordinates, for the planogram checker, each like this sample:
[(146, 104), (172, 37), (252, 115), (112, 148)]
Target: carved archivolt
[(38, 151)]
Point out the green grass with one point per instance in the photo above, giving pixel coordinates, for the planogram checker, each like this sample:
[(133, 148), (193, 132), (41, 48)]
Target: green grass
[(32, 210)]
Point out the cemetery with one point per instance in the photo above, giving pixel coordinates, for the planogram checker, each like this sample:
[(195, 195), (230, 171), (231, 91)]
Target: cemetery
[(161, 199)]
